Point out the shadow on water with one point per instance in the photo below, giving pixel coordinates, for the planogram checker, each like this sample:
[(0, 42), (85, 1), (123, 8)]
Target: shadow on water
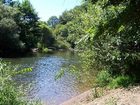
[(42, 78)]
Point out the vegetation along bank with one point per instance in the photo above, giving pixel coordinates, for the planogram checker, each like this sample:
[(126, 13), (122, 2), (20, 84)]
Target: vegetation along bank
[(106, 34)]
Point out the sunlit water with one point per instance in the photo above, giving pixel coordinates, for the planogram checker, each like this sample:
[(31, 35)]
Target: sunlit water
[(42, 81)]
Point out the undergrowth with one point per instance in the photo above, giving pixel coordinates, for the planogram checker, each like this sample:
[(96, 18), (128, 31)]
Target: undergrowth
[(105, 79)]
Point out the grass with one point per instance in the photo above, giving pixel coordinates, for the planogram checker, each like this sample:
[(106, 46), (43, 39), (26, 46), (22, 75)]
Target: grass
[(121, 81), (105, 79)]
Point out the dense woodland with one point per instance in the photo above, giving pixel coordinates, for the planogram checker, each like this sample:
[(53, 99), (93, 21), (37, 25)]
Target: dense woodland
[(21, 30), (105, 33)]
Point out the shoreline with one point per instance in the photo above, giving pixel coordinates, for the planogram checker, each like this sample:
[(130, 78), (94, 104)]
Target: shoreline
[(120, 96), (82, 98)]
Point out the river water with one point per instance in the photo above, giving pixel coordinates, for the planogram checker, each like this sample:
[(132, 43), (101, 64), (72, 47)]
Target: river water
[(41, 81)]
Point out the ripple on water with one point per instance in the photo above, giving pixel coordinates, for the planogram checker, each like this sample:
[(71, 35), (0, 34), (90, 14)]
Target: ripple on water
[(42, 78)]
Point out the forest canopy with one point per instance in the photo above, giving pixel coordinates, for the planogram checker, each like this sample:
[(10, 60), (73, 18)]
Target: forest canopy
[(21, 29)]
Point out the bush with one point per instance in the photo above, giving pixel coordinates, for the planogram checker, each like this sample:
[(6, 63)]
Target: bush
[(45, 50), (103, 78), (121, 81)]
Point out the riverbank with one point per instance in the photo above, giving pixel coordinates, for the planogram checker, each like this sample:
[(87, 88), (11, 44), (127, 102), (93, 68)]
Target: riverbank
[(121, 96)]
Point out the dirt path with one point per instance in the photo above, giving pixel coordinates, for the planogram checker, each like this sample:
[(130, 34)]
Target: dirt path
[(122, 96)]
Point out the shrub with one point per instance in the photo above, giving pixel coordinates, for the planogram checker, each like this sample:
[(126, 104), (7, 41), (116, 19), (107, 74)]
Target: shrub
[(103, 78), (45, 50), (121, 81)]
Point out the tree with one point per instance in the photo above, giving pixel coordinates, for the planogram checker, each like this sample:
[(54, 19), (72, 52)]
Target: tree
[(6, 1), (53, 21), (28, 24), (65, 17), (73, 24), (9, 36), (108, 33), (47, 38)]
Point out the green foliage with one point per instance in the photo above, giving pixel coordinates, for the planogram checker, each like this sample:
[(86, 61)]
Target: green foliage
[(9, 37), (28, 23), (20, 28), (105, 35), (60, 74), (107, 32), (53, 21), (45, 50), (25, 70), (10, 94), (121, 81), (39, 46), (97, 92), (103, 78), (47, 38), (72, 26), (116, 40), (62, 44)]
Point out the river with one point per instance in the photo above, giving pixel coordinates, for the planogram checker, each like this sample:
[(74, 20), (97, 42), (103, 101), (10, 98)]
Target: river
[(41, 81)]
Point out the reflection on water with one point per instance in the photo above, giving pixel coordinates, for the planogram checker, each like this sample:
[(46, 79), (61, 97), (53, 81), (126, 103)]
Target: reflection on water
[(42, 78)]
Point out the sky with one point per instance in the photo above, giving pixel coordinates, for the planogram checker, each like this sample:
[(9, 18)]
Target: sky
[(48, 8)]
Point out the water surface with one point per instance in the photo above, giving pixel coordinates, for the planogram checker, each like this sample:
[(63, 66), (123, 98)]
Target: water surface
[(42, 81)]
